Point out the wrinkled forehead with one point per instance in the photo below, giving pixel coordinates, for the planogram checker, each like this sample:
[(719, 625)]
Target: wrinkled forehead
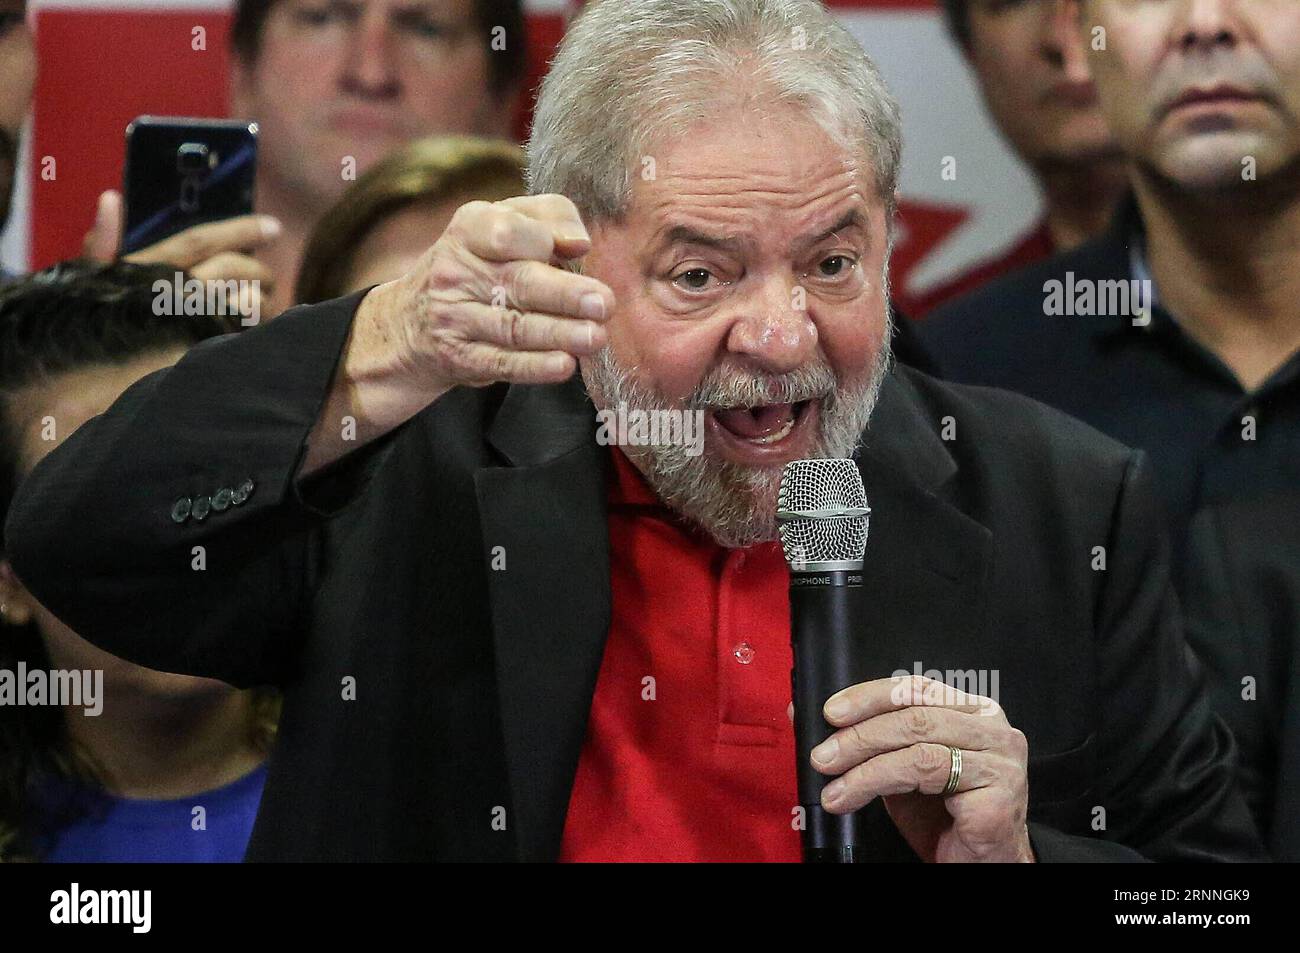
[(767, 176)]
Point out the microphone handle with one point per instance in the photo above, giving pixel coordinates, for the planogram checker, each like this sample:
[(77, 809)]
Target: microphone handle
[(819, 632)]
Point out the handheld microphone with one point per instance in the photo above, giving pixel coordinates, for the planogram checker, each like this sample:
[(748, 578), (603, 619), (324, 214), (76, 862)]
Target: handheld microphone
[(823, 514)]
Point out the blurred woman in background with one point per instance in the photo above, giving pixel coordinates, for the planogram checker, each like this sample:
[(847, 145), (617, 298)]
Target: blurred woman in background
[(397, 209), (161, 767)]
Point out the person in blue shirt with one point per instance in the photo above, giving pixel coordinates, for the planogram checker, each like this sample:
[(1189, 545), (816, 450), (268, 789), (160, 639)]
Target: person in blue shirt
[(100, 759)]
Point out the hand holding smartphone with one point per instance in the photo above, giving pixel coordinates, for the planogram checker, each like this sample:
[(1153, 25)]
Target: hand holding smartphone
[(182, 172)]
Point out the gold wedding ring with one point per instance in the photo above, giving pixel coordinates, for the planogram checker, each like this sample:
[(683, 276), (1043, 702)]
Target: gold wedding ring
[(954, 775)]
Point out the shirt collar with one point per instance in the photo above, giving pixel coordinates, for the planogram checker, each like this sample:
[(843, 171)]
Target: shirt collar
[(1127, 234), (1137, 264), (627, 487), (1163, 322)]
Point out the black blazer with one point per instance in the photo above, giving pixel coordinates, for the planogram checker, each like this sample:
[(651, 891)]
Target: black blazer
[(1241, 581), (1155, 388), (473, 686)]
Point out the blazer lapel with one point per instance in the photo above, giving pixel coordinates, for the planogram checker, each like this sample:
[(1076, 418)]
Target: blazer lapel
[(925, 576), (923, 600), (551, 601), (926, 566)]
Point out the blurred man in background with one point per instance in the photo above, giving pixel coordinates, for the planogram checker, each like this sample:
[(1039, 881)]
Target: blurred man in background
[(1036, 87), (1178, 331), (338, 84)]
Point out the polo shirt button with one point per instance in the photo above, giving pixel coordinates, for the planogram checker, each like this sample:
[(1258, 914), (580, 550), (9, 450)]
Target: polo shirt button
[(744, 653), (181, 509), (223, 499), (202, 506)]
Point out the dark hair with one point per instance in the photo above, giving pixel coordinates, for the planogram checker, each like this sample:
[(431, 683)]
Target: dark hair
[(422, 173), (957, 15), (77, 314), (505, 67), (73, 315)]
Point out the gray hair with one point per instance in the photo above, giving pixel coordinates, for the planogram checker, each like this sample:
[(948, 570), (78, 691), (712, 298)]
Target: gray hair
[(631, 71)]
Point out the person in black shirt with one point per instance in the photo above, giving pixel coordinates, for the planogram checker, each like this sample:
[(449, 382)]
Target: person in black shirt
[(1179, 330)]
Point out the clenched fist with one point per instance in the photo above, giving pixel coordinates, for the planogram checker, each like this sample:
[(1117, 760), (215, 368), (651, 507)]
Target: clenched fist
[(488, 302)]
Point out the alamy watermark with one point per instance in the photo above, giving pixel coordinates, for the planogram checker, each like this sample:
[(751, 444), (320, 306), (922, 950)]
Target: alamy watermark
[(133, 908), (218, 297), (69, 688), (949, 686), (651, 428), (1086, 297)]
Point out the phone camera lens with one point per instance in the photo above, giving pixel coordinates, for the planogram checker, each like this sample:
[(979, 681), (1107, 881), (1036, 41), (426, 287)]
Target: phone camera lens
[(192, 158)]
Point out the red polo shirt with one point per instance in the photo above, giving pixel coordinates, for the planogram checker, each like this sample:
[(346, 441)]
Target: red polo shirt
[(689, 754)]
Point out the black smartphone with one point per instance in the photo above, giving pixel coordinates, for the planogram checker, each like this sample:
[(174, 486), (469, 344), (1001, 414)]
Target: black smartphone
[(182, 172)]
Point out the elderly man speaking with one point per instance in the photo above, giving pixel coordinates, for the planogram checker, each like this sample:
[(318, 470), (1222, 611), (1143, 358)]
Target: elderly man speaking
[(507, 630)]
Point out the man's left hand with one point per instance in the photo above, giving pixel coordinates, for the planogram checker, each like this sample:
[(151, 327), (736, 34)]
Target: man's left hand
[(894, 741)]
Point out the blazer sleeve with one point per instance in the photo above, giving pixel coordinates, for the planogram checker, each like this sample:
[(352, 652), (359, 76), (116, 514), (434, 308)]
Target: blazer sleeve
[(1166, 761), (106, 530)]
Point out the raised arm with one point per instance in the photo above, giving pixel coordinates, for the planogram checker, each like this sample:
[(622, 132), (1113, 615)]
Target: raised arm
[(172, 530)]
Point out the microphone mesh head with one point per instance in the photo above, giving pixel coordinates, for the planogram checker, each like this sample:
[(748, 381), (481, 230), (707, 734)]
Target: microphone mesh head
[(823, 513)]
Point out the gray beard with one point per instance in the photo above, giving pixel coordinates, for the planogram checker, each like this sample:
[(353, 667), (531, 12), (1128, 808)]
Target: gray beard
[(735, 504)]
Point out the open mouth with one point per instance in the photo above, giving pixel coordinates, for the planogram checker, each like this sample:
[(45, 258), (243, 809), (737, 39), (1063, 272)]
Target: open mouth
[(762, 425), (763, 431)]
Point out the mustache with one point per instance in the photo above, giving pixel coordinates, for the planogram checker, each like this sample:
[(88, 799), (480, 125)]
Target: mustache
[(726, 389), (1239, 68)]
